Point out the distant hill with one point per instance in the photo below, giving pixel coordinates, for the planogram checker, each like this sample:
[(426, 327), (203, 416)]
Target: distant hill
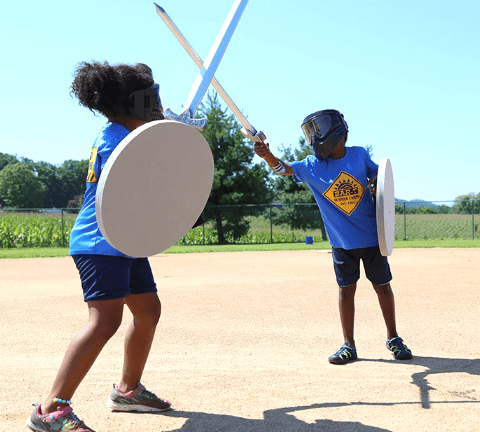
[(415, 203)]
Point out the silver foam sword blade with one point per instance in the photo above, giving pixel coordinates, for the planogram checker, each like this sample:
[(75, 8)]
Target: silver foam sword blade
[(207, 71), (249, 131)]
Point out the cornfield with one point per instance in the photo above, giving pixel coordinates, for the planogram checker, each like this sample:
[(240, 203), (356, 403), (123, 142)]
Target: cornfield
[(48, 229), (35, 230)]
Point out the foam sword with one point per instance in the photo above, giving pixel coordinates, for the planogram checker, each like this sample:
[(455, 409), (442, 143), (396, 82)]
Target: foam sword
[(207, 69)]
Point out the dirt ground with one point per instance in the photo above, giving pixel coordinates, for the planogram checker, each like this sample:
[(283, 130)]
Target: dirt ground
[(243, 345)]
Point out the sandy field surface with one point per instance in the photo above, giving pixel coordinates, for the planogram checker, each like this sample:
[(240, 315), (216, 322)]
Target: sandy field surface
[(243, 343)]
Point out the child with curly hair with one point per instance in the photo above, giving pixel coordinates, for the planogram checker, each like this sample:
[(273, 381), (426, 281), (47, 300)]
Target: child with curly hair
[(128, 97)]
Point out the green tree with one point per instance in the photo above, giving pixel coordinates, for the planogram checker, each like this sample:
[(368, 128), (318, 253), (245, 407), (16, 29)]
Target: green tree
[(237, 179), (20, 187), (47, 173), (62, 183), (444, 209), (423, 210), (288, 192), (72, 176), (463, 204), (7, 159), (369, 148)]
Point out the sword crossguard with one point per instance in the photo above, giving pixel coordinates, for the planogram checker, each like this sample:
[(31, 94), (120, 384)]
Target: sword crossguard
[(186, 118), (253, 135)]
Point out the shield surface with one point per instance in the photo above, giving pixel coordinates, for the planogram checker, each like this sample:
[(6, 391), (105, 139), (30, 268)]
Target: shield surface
[(153, 187), (385, 207)]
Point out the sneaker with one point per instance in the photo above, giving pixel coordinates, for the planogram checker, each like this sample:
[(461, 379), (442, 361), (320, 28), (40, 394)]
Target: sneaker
[(344, 355), (399, 349), (139, 400), (62, 420)]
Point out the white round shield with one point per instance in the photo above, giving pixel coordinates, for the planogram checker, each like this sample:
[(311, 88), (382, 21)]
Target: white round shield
[(385, 207), (154, 187)]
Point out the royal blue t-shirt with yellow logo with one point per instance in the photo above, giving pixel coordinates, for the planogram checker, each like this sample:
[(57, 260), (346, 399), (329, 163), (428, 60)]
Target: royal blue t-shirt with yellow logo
[(86, 237), (340, 190)]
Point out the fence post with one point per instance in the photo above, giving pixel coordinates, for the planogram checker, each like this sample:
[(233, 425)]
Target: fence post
[(203, 226), (473, 217), (404, 221), (63, 230), (271, 225)]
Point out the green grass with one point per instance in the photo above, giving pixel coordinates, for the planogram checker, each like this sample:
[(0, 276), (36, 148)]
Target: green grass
[(248, 247), (62, 252), (437, 243), (47, 252)]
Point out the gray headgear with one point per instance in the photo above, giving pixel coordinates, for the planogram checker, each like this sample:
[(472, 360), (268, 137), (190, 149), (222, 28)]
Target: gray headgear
[(323, 131), (146, 104)]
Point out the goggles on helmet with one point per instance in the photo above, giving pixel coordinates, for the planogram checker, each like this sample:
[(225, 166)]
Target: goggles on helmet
[(323, 131), (321, 123)]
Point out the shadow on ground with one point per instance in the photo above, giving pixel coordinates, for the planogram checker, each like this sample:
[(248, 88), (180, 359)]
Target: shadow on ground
[(279, 420), (284, 420), (441, 365)]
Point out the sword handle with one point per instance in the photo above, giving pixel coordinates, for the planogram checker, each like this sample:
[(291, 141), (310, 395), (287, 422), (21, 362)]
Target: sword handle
[(255, 136)]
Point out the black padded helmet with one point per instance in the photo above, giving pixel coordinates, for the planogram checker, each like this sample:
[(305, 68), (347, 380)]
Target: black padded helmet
[(324, 130)]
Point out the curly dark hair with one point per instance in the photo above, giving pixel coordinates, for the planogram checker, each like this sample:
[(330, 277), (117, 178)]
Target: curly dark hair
[(105, 88)]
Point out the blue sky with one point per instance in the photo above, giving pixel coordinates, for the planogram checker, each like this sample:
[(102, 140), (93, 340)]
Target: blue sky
[(405, 74)]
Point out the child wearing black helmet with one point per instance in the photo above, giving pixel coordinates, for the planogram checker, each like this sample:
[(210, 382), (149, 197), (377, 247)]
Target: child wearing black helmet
[(342, 180), (128, 97)]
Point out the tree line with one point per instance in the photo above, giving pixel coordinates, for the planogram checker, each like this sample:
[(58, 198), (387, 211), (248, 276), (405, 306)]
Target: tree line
[(238, 181), (464, 204), (28, 184)]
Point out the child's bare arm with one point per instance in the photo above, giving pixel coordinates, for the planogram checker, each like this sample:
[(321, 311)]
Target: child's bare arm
[(372, 185), (282, 168)]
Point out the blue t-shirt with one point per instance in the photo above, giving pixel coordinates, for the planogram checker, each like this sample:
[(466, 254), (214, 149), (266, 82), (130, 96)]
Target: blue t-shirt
[(340, 190), (86, 237)]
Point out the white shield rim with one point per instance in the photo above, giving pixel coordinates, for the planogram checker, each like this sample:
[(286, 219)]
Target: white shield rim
[(385, 207)]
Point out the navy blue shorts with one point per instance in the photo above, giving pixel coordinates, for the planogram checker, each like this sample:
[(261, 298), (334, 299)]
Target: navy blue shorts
[(107, 277), (347, 266)]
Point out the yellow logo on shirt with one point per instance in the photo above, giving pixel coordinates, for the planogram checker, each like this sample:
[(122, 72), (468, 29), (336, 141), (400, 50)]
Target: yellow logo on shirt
[(91, 178), (345, 192)]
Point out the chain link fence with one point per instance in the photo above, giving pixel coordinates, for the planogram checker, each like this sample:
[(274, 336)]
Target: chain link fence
[(277, 223), (254, 224), (461, 221)]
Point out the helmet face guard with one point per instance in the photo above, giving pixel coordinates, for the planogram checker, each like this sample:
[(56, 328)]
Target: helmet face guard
[(146, 104), (323, 131)]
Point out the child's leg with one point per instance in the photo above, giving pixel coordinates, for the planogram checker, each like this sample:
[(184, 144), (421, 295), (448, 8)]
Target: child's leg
[(346, 303), (387, 304), (346, 264), (146, 310), (105, 316), (378, 273)]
